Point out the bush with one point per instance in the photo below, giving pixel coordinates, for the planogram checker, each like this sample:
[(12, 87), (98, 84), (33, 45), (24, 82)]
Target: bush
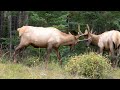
[(89, 65)]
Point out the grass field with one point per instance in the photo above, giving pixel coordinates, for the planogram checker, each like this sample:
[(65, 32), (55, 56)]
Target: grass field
[(19, 71), (54, 71), (9, 70)]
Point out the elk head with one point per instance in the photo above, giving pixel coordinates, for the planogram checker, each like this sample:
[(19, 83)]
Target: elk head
[(88, 35), (80, 34), (75, 41)]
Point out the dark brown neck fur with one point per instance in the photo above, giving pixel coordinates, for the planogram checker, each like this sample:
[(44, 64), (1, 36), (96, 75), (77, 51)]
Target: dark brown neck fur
[(95, 39)]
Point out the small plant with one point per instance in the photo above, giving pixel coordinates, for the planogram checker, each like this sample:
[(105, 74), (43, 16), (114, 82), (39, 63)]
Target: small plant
[(89, 65)]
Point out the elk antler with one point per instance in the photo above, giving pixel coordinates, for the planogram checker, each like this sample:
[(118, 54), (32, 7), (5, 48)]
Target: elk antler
[(88, 27), (92, 30), (79, 31)]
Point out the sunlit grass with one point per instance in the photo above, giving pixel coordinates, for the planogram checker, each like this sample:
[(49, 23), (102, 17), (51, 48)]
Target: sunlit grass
[(19, 71)]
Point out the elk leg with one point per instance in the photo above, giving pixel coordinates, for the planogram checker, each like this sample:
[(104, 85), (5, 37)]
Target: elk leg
[(58, 55), (111, 50), (72, 48), (118, 51), (21, 52), (114, 63), (49, 49), (19, 48), (118, 54), (101, 51), (110, 53)]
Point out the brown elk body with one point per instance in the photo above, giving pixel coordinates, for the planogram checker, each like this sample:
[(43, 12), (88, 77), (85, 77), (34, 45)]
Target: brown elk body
[(116, 41), (107, 40), (49, 37)]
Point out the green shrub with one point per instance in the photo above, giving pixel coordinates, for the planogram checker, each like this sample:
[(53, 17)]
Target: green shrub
[(89, 65)]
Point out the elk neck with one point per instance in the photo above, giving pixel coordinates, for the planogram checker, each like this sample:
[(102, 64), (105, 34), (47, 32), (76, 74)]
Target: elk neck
[(67, 39), (95, 39)]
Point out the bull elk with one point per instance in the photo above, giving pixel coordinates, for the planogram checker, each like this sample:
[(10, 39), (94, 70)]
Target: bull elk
[(109, 40), (45, 37)]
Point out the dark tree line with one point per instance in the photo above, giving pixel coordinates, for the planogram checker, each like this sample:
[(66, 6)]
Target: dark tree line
[(66, 21), (9, 22)]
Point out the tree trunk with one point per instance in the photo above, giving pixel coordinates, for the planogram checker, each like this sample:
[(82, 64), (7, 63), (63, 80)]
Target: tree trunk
[(19, 19), (0, 24), (10, 32), (26, 18)]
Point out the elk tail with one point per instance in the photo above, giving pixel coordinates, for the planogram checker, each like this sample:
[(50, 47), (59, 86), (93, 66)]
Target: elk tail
[(21, 30)]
